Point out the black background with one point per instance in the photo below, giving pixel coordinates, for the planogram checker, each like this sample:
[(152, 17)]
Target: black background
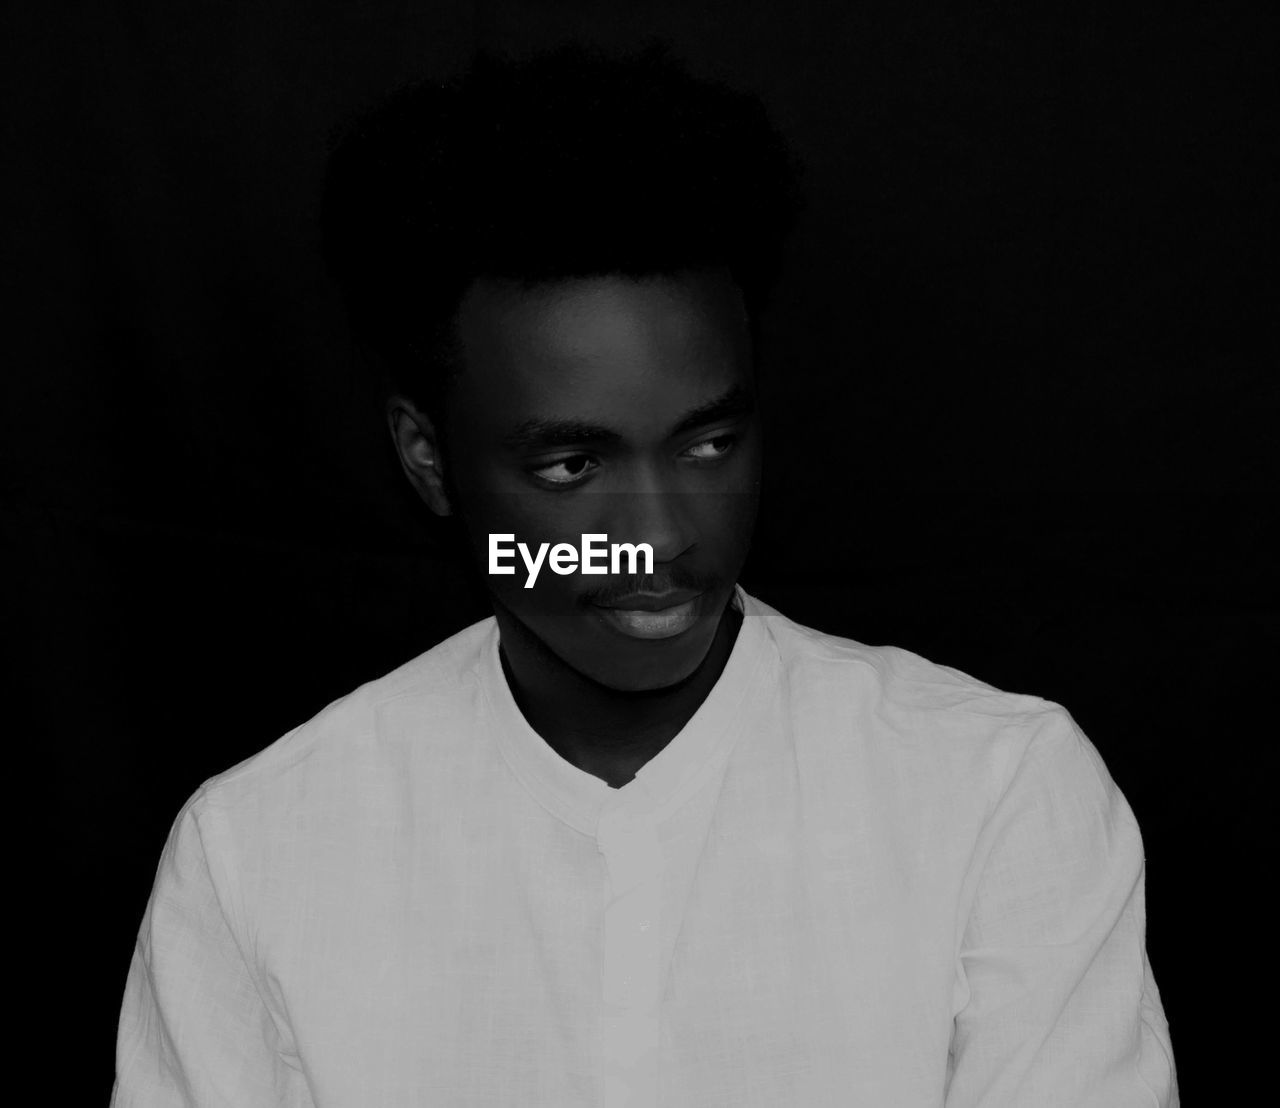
[(1019, 416)]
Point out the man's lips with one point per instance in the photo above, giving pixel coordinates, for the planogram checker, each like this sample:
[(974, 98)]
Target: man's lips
[(653, 615), (651, 601)]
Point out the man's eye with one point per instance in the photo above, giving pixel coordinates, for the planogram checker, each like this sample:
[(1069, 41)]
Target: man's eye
[(711, 450), (566, 471)]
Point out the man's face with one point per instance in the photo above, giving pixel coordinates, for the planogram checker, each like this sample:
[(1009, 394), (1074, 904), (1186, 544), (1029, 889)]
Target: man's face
[(618, 407)]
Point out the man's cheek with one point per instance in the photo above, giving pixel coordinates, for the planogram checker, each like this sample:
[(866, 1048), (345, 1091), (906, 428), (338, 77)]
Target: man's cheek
[(734, 517)]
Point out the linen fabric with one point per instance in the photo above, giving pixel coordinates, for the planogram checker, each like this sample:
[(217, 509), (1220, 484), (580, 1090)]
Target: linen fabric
[(855, 878)]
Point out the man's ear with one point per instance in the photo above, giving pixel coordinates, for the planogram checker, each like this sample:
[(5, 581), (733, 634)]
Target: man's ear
[(418, 447)]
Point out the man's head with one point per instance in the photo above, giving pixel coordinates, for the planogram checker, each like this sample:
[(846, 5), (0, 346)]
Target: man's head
[(560, 262)]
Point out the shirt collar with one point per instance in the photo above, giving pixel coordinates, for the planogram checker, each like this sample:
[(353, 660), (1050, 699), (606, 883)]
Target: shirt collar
[(668, 779)]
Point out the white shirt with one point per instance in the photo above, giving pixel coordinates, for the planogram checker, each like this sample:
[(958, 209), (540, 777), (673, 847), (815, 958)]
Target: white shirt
[(855, 878)]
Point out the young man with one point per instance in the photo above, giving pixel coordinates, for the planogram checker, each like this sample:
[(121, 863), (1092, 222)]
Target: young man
[(638, 839)]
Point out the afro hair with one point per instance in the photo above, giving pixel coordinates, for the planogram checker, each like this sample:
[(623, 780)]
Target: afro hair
[(570, 163)]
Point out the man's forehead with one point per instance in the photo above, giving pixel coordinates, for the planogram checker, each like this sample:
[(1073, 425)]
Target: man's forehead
[(581, 316), (603, 351)]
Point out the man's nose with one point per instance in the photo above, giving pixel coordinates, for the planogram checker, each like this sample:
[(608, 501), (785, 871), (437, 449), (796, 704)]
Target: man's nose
[(664, 517)]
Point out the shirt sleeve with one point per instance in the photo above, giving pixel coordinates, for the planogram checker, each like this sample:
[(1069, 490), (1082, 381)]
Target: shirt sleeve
[(194, 1029), (1057, 1004)]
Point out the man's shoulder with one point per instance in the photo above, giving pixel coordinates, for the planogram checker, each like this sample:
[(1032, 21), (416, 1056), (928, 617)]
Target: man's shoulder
[(911, 699), (353, 730)]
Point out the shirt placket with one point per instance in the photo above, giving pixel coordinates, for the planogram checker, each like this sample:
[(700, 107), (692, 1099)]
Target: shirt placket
[(628, 839)]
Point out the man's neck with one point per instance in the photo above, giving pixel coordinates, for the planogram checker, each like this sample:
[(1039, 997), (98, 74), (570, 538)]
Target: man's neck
[(606, 733)]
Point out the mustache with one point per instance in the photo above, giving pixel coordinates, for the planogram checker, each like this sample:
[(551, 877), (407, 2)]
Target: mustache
[(666, 580)]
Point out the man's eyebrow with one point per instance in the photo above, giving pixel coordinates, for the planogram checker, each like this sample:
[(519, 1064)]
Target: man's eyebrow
[(546, 434), (549, 434), (735, 403)]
